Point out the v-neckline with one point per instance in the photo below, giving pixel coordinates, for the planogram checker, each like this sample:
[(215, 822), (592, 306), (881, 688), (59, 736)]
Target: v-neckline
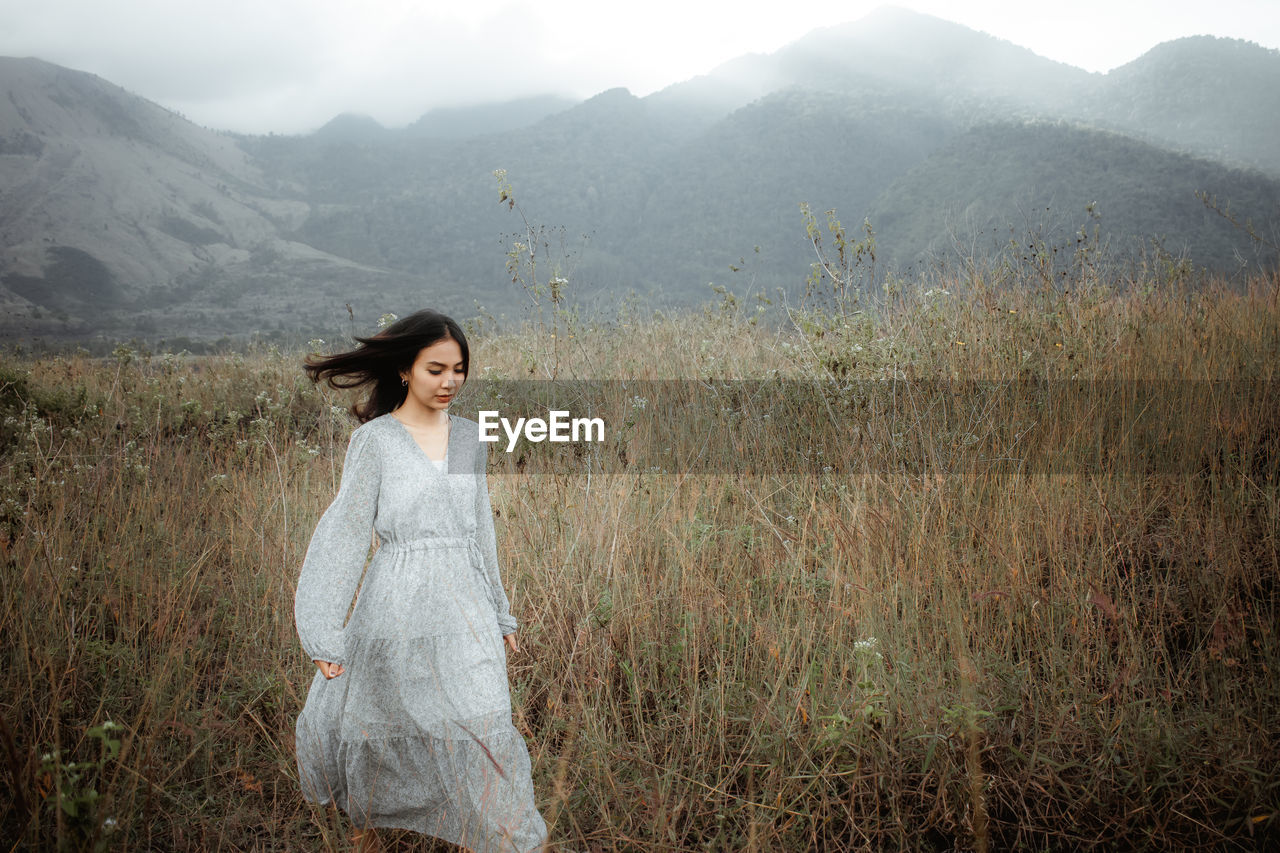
[(438, 465)]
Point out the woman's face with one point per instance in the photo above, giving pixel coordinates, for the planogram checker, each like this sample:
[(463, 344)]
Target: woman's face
[(436, 376)]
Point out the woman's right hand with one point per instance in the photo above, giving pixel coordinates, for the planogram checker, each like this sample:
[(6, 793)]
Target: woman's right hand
[(329, 670)]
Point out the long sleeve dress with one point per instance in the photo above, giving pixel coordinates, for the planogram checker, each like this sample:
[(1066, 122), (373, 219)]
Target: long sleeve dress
[(417, 732)]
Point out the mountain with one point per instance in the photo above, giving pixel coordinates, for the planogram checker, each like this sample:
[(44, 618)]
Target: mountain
[(463, 122), (646, 204), (1215, 97), (352, 128), (926, 55), (119, 217), (896, 51), (105, 194), (739, 185), (110, 204), (1044, 181), (481, 119)]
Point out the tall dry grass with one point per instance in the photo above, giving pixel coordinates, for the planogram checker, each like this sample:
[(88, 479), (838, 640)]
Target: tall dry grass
[(906, 655)]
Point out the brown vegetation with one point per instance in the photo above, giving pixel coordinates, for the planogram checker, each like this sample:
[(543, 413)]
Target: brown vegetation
[(913, 656)]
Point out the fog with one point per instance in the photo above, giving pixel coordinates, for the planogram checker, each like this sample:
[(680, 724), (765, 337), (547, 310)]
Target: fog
[(291, 65)]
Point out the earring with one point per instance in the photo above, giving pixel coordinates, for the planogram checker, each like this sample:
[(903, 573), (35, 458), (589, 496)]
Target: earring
[(404, 382)]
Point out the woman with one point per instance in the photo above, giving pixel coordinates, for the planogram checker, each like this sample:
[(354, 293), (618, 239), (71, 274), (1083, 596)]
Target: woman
[(408, 720)]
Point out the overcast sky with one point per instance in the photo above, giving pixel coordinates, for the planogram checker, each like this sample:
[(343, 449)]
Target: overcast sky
[(290, 65)]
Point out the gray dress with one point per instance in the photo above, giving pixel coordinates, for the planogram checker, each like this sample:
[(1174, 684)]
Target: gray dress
[(417, 732)]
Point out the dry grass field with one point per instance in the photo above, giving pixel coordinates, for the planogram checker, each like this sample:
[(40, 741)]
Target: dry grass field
[(915, 651)]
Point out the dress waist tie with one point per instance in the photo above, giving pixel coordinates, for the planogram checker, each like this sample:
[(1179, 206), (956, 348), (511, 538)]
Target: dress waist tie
[(429, 543)]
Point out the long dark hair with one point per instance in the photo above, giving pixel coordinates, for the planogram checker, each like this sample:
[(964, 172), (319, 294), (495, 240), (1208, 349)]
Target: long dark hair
[(380, 360)]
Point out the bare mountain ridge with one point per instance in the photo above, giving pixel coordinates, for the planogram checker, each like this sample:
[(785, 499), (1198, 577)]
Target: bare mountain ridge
[(117, 214), (108, 201)]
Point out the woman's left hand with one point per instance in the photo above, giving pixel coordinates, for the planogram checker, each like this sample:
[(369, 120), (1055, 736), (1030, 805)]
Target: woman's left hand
[(512, 643)]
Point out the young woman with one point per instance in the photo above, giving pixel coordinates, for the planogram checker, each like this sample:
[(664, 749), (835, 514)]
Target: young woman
[(408, 720)]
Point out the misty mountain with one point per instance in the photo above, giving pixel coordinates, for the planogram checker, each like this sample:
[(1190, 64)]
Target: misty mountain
[(117, 215), (113, 207), (667, 209), (96, 178), (462, 122), (1045, 182), (739, 185), (1215, 97), (897, 51), (350, 128), (480, 119)]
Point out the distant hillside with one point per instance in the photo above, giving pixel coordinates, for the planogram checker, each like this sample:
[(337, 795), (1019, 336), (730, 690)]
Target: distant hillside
[(666, 210), (740, 185), (115, 213), (119, 217), (352, 128), (1003, 182), (89, 167), (926, 55), (482, 119), (444, 123), (899, 52), (1215, 97)]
